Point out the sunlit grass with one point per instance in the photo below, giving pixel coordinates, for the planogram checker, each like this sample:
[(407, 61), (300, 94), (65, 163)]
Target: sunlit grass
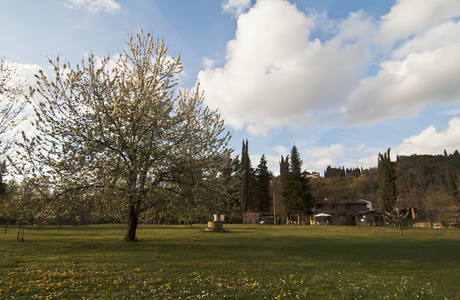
[(246, 262)]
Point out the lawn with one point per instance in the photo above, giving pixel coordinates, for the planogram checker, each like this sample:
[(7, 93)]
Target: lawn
[(246, 262)]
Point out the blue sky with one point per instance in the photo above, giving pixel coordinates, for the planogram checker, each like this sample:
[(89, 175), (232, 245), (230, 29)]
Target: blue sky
[(341, 80)]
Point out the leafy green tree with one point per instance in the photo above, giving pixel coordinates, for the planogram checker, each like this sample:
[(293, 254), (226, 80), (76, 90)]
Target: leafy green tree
[(452, 186), (117, 129), (21, 205), (387, 184)]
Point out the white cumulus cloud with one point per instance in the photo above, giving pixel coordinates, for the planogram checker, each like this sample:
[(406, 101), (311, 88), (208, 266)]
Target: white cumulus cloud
[(409, 17), (208, 63), (403, 87), (277, 74), (434, 38), (432, 141), (318, 158), (281, 150), (274, 74), (94, 6), (236, 7)]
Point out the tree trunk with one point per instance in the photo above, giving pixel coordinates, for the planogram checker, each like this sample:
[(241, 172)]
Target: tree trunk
[(21, 228), (132, 224), (6, 224)]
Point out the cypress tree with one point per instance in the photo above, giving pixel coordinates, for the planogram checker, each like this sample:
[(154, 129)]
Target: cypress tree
[(245, 168), (263, 185), (284, 177), (387, 184)]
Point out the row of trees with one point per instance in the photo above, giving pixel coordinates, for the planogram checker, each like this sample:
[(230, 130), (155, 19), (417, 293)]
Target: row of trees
[(430, 183), (255, 184), (342, 172), (292, 188)]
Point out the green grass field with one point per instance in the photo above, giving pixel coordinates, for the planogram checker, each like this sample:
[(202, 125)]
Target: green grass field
[(246, 262)]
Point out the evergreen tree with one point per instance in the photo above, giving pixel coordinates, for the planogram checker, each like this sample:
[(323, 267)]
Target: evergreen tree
[(245, 177), (356, 172), (334, 172), (263, 185), (387, 184), (284, 168), (284, 177), (296, 189), (295, 163)]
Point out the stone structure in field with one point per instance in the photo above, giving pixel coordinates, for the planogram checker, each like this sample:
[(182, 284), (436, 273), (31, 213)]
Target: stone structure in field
[(217, 224)]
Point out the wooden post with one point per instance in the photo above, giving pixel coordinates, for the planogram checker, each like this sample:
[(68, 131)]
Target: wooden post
[(274, 207)]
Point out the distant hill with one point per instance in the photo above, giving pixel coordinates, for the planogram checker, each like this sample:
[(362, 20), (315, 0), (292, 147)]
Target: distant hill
[(428, 181)]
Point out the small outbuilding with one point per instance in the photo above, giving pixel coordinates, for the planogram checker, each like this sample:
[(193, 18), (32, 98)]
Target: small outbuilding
[(368, 218)]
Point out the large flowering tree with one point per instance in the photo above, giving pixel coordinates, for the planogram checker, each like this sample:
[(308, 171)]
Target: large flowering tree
[(117, 130)]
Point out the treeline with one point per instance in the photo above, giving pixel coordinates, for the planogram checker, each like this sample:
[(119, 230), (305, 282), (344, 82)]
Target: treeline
[(353, 186), (431, 183), (342, 172), (254, 191)]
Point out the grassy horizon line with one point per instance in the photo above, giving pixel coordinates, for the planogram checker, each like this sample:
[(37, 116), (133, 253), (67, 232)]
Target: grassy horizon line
[(245, 262)]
